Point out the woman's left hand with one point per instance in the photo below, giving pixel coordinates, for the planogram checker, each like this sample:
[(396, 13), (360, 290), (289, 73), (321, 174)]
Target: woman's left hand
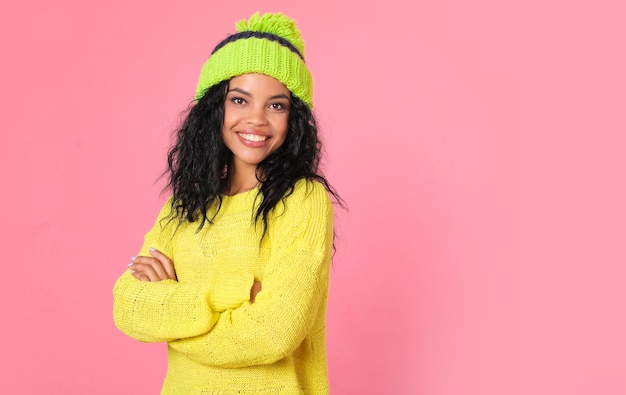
[(256, 288), (157, 267)]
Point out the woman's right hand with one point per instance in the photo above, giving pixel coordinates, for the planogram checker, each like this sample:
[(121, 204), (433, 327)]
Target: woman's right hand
[(157, 267)]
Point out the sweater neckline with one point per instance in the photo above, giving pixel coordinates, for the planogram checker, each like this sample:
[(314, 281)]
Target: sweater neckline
[(242, 201)]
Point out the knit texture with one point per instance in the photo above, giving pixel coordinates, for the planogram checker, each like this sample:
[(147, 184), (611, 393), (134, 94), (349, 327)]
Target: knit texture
[(219, 342), (261, 55)]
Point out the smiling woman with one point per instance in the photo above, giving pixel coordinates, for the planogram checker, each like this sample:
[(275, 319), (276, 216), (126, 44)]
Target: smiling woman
[(256, 119), (234, 273)]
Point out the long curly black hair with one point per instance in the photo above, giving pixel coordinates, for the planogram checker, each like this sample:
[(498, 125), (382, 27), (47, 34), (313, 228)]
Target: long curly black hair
[(199, 161)]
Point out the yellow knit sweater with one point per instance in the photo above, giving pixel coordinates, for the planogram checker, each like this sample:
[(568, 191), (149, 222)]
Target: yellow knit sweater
[(219, 342)]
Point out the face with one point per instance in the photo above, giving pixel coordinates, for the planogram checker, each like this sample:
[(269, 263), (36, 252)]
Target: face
[(256, 115)]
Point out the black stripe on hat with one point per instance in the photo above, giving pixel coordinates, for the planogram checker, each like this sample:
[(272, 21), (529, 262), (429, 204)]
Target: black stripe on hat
[(249, 34)]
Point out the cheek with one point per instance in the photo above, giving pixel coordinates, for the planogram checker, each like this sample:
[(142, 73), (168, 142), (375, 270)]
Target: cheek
[(229, 116), (282, 123), (284, 129)]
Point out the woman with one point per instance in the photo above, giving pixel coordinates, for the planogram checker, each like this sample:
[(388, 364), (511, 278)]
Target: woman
[(234, 273)]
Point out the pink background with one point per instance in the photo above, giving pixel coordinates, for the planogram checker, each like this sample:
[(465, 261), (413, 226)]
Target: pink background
[(480, 146)]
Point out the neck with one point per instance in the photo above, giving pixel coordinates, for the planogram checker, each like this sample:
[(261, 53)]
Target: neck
[(241, 180)]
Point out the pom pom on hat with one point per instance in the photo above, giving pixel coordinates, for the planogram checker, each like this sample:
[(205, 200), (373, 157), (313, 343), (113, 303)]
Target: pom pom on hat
[(278, 24), (269, 44)]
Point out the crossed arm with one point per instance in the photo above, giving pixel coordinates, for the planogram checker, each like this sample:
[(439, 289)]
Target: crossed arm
[(243, 326), (159, 267)]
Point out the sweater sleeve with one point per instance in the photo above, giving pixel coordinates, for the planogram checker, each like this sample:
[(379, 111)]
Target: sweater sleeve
[(168, 310), (295, 283)]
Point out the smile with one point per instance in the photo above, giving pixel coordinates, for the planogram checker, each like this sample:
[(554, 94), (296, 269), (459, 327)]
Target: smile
[(253, 137)]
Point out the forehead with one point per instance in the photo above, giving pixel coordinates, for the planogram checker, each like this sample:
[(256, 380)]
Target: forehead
[(258, 83)]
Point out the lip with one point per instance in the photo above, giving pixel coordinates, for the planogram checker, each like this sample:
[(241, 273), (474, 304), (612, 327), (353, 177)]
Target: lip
[(253, 138)]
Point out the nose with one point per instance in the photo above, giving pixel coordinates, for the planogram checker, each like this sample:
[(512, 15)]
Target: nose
[(256, 115)]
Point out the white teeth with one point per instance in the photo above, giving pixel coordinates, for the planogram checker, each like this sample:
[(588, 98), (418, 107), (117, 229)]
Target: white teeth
[(253, 137)]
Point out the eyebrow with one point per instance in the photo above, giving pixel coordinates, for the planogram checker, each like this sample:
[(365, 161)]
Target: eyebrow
[(243, 92)]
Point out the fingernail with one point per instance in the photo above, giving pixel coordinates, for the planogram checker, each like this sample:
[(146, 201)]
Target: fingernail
[(130, 264), (133, 271), (132, 258), (152, 249)]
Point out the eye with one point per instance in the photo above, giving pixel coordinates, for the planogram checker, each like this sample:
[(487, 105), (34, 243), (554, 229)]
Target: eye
[(278, 106), (238, 100)]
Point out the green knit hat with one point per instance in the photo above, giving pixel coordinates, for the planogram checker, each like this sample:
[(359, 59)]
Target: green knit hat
[(270, 44)]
